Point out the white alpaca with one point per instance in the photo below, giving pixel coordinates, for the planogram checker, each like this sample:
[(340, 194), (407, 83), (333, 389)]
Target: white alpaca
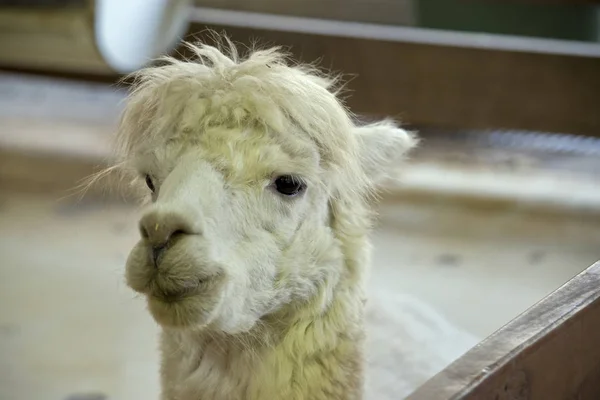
[(254, 249)]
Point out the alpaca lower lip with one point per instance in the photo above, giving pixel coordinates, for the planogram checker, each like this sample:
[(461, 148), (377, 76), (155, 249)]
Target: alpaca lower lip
[(175, 295)]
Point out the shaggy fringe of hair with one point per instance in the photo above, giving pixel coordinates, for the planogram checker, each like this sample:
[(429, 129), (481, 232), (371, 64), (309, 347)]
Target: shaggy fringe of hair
[(220, 86), (219, 77)]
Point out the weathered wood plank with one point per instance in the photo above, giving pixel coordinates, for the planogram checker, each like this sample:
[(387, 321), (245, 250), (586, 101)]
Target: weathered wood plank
[(549, 352), (450, 86)]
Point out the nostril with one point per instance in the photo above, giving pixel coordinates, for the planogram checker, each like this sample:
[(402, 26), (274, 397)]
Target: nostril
[(179, 232), (156, 253), (161, 228)]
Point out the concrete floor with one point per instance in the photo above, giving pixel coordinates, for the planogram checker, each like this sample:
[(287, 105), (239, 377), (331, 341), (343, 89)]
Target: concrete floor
[(69, 326)]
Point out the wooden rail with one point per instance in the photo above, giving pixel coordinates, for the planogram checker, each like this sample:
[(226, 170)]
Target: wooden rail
[(438, 78), (550, 352)]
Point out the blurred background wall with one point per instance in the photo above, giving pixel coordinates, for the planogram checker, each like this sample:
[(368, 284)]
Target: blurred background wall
[(498, 207), (430, 62)]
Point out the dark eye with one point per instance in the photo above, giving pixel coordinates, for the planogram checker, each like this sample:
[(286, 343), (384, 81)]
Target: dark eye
[(150, 184), (289, 185)]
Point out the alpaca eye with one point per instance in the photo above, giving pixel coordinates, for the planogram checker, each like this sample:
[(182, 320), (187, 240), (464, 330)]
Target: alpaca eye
[(289, 185), (150, 184)]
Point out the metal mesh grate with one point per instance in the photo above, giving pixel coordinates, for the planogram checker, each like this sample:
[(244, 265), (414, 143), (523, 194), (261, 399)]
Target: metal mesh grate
[(512, 149), (542, 142)]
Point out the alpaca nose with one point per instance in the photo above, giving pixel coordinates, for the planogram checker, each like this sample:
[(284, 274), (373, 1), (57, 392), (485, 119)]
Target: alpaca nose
[(160, 227)]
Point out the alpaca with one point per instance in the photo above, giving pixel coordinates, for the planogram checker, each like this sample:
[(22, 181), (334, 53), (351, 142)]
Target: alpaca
[(254, 248)]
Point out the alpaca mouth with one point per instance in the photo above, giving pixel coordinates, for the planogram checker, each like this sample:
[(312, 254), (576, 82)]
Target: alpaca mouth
[(175, 295)]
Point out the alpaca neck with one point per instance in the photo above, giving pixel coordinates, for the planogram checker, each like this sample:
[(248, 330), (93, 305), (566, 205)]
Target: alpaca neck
[(300, 352)]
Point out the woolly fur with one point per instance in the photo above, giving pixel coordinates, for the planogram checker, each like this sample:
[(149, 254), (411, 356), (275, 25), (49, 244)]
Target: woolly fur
[(260, 296)]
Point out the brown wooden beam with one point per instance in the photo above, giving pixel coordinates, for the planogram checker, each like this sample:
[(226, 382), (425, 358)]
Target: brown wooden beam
[(550, 352), (446, 85)]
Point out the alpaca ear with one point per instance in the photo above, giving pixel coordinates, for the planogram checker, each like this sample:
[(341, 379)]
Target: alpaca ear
[(382, 147)]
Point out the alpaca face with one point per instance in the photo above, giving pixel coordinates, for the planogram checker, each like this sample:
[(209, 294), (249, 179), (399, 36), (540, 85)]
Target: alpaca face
[(248, 163), (234, 211)]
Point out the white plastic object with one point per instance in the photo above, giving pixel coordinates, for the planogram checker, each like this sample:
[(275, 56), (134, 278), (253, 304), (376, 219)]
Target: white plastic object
[(130, 33)]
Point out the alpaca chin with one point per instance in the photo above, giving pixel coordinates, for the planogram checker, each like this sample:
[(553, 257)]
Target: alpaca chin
[(184, 290), (195, 309)]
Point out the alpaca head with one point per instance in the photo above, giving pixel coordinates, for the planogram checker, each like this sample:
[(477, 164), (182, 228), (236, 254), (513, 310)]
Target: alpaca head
[(243, 160)]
